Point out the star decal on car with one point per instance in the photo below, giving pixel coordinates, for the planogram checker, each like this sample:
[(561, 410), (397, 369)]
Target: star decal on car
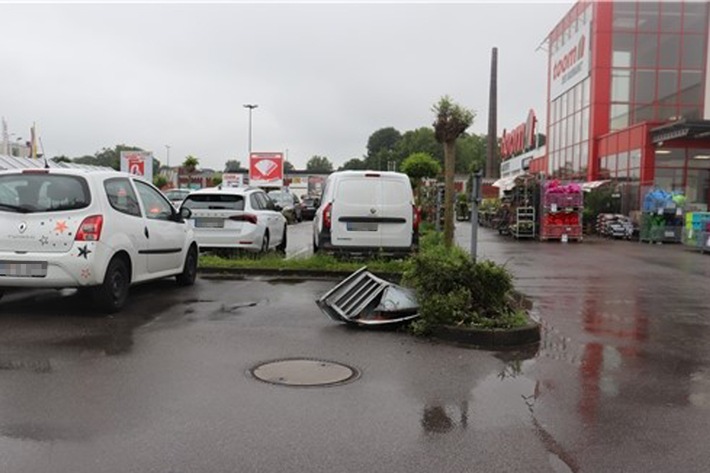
[(85, 273), (61, 226), (44, 240), (84, 251)]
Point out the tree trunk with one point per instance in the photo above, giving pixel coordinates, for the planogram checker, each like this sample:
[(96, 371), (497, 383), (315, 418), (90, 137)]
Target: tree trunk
[(449, 164)]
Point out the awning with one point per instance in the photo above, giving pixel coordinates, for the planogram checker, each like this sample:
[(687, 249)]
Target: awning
[(685, 129), (588, 186), (505, 183)]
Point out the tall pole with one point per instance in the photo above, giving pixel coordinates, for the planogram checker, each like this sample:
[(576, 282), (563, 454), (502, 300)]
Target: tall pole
[(251, 107), (167, 149), (492, 165)]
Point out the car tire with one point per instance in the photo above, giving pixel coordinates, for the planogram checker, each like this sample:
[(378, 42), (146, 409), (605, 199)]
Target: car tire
[(315, 246), (284, 241), (189, 269), (111, 295), (265, 243)]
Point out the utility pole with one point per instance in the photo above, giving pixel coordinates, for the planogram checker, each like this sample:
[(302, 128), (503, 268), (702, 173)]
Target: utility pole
[(167, 148), (251, 107)]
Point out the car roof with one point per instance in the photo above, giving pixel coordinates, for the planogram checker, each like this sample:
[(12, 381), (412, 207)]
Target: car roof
[(363, 173), (90, 173)]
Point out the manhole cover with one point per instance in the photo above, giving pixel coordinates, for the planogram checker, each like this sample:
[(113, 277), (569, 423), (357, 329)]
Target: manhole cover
[(304, 372)]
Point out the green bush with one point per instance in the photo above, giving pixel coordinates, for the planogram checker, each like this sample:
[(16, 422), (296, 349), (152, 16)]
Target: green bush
[(453, 290)]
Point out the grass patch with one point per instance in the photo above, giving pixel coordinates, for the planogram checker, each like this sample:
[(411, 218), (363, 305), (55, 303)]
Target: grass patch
[(314, 263)]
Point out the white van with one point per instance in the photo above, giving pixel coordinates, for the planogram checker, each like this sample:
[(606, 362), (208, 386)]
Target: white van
[(366, 212)]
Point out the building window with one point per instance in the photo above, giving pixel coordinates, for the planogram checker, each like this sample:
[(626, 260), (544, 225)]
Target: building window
[(622, 50), (669, 51), (648, 13), (624, 15), (621, 85), (695, 16), (693, 51)]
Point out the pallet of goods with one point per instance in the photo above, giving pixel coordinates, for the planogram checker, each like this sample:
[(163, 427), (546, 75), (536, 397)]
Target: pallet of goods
[(614, 226), (561, 216), (696, 232), (662, 217)]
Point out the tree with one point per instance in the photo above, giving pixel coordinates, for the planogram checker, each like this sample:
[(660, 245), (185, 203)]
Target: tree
[(160, 181), (232, 165), (319, 164), (190, 163), (216, 179), (381, 147), (451, 121), (421, 140), (61, 159), (288, 166), (353, 164), (470, 153), (420, 165)]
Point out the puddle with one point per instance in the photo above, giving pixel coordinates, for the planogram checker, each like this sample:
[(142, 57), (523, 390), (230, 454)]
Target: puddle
[(25, 364)]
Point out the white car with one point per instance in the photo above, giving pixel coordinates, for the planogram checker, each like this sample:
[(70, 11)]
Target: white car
[(90, 229), (236, 218), (176, 196), (367, 212)]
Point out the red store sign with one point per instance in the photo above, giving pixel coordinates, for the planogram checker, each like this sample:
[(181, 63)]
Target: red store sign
[(519, 139)]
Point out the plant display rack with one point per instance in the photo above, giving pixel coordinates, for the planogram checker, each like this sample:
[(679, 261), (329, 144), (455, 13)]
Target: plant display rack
[(661, 218), (524, 225), (561, 215), (696, 232)]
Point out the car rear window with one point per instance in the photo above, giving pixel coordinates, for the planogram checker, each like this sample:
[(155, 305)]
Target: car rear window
[(214, 202), (43, 192)]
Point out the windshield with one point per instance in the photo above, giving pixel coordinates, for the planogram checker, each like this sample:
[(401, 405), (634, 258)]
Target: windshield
[(214, 202), (42, 192), (281, 198), (176, 194)]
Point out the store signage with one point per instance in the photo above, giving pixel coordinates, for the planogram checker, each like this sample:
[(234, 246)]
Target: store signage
[(569, 65), (519, 139), (139, 163), (266, 169), (232, 179)]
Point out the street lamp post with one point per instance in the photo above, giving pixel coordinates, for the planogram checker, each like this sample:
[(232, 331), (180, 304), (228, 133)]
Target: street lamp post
[(251, 107), (167, 149)]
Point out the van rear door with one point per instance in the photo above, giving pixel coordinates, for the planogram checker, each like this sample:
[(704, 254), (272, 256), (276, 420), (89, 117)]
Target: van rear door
[(396, 212)]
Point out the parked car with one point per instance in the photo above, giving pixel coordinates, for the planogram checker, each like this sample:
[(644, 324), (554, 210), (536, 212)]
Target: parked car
[(176, 196), (367, 212), (309, 205), (236, 218), (289, 204), (90, 229)]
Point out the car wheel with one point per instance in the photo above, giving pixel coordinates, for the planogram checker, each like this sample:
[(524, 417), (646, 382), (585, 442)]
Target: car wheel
[(282, 246), (265, 243), (189, 270), (111, 295)]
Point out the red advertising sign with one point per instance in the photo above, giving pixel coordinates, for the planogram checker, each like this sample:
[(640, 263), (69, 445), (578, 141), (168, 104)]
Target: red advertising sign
[(266, 169), (519, 139)]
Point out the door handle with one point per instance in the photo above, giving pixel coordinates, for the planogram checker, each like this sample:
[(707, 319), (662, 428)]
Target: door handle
[(145, 231)]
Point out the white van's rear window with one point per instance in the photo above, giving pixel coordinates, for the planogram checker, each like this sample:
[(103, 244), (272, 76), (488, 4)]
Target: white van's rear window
[(365, 191)]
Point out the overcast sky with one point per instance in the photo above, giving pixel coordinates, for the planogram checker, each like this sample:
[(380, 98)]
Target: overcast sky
[(324, 75)]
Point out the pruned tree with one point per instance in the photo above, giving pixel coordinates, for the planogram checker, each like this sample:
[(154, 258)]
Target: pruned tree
[(452, 120), (420, 165)]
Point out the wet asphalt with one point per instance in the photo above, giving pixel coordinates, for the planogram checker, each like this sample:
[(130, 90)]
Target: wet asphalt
[(620, 381)]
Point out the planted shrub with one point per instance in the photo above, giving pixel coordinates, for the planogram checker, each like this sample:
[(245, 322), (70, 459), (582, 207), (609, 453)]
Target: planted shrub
[(453, 290)]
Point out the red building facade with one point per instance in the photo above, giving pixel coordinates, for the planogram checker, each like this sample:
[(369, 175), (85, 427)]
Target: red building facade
[(627, 88)]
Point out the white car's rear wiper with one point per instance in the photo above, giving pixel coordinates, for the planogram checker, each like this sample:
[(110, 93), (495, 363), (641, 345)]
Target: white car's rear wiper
[(15, 208)]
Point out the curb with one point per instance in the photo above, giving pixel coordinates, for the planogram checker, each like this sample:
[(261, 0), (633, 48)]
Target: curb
[(494, 339), (288, 273)]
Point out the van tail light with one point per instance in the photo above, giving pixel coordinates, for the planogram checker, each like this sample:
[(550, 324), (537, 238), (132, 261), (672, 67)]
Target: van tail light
[(251, 218), (327, 214), (90, 228), (416, 218)]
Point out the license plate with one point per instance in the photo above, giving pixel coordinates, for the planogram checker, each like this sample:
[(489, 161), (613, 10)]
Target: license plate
[(361, 226), (209, 223), (23, 269)]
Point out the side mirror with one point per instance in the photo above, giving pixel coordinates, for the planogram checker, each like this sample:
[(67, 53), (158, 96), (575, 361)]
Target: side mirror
[(316, 203), (277, 207), (185, 213)]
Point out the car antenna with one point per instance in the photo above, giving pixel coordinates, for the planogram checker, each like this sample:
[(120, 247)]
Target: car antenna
[(44, 156)]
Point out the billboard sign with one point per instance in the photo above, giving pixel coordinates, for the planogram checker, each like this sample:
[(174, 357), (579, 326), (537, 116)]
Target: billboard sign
[(230, 179), (520, 138), (139, 163), (266, 169), (570, 64)]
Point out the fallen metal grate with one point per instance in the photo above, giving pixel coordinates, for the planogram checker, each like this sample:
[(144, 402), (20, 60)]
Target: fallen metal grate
[(364, 298)]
